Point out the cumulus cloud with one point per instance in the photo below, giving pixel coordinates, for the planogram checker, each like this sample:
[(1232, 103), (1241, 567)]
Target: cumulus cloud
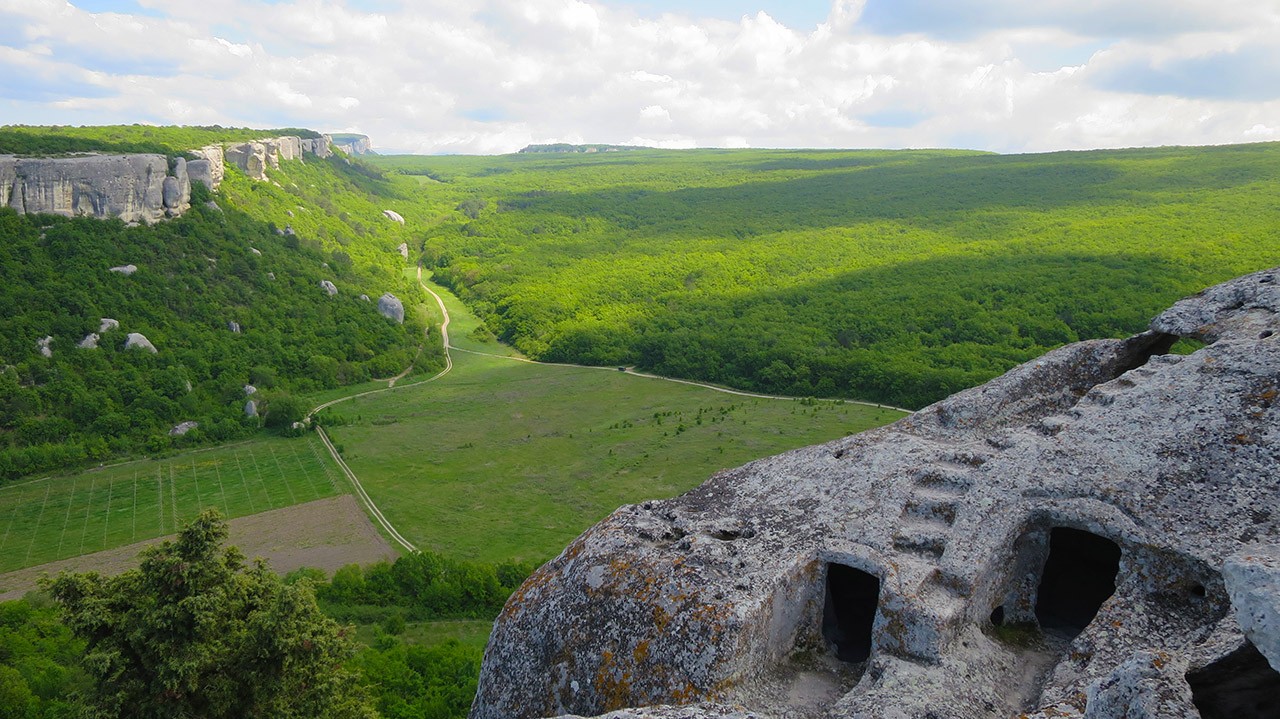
[(494, 75)]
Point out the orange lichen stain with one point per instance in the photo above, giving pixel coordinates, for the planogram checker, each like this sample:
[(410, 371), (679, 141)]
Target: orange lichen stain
[(661, 618), (611, 685), (641, 652)]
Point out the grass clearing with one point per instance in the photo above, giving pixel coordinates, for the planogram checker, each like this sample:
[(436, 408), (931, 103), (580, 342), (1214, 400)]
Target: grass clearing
[(59, 517), (502, 459)]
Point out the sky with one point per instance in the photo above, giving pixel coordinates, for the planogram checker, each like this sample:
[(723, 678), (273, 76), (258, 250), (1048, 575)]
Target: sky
[(491, 76)]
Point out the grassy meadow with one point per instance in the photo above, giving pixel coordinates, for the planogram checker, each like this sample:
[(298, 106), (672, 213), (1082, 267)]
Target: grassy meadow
[(501, 459), (59, 517)]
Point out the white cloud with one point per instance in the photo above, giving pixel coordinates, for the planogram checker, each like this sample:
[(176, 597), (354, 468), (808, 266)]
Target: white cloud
[(494, 75)]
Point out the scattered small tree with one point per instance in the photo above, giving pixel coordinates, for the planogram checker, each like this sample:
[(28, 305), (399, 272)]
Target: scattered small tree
[(194, 632)]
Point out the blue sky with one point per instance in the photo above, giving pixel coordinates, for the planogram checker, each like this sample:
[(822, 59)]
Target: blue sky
[(493, 75)]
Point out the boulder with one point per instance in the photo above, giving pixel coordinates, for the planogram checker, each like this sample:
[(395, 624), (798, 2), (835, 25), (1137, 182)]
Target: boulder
[(212, 158), (107, 324), (393, 216), (137, 340), (234, 327), (250, 409), (90, 341), (250, 390), (182, 428), (328, 287), (125, 270), (272, 276), (1091, 534), (255, 251), (201, 171), (250, 158), (403, 249), (1253, 581), (391, 307), (365, 298), (44, 345)]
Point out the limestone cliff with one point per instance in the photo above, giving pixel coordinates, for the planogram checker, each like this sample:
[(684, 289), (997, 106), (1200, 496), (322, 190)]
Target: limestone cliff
[(137, 188), (1050, 544), (351, 144)]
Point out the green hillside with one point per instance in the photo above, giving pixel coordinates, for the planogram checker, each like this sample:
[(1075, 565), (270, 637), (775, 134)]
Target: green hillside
[(898, 277), (45, 141)]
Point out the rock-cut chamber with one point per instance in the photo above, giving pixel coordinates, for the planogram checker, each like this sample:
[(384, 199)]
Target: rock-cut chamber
[(849, 612)]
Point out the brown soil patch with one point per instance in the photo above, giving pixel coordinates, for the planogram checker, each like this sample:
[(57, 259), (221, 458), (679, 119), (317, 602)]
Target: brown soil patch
[(327, 533)]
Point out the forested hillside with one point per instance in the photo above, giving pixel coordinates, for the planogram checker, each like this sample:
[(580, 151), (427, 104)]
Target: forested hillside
[(892, 276), (227, 295)]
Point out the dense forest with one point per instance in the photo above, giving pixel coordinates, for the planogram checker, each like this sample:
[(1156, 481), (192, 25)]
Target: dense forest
[(898, 276), (226, 296)]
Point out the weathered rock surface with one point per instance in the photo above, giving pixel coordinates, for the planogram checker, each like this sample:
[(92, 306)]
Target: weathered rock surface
[(250, 158), (45, 346), (1253, 581), (327, 286), (391, 307), (125, 270), (403, 249), (1050, 544), (182, 428), (250, 408), (393, 216), (356, 145), (210, 171), (107, 324), (130, 187), (233, 326), (136, 340), (250, 390), (90, 341)]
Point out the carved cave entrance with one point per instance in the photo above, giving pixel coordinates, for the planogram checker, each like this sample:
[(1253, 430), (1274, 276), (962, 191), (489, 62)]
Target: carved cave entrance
[(849, 612), (1241, 685), (1079, 575)]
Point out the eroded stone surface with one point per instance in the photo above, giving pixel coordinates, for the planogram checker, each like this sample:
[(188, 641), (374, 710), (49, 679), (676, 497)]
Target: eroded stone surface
[(391, 307), (136, 340), (722, 594), (1253, 581), (329, 288)]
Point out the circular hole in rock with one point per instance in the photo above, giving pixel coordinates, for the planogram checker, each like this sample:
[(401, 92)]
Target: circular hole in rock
[(1197, 590), (997, 616), (1265, 334)]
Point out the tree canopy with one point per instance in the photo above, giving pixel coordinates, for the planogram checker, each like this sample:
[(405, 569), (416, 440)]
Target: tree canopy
[(197, 632)]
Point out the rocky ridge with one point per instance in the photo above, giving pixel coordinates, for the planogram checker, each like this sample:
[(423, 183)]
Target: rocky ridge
[(141, 188), (1050, 544)]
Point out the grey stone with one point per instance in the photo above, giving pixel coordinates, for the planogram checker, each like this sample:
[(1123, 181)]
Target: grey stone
[(107, 324), (211, 171), (255, 251), (44, 345), (182, 428), (359, 145), (234, 327), (250, 390), (940, 526), (365, 298), (318, 146), (328, 287), (272, 276), (129, 187), (250, 408), (1253, 581), (90, 341), (391, 307), (137, 340), (403, 249), (250, 158), (125, 270), (393, 216)]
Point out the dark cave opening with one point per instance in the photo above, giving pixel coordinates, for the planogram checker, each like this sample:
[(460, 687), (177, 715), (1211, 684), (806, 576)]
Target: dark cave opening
[(1079, 575), (1241, 685), (849, 612)]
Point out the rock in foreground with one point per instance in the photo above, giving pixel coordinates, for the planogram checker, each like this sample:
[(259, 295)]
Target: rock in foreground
[(1050, 544)]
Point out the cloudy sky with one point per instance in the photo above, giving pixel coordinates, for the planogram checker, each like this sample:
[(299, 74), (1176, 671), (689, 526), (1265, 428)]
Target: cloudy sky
[(490, 76)]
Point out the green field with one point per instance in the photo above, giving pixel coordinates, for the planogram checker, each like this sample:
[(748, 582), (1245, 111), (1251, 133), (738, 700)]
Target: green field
[(501, 459), (60, 517)]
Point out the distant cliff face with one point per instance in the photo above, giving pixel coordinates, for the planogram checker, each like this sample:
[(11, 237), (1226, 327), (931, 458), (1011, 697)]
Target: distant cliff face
[(137, 188), (131, 187), (351, 144)]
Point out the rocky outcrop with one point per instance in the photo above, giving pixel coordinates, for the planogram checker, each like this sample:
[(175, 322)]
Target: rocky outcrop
[(1050, 544), (44, 346), (90, 341), (254, 158), (318, 146), (250, 158), (250, 408), (391, 307), (208, 166), (393, 216), (106, 324), (403, 249), (351, 144), (182, 428), (136, 340), (328, 287), (130, 187), (125, 270)]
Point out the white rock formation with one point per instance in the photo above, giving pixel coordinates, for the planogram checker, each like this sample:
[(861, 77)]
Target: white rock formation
[(182, 428), (90, 341), (130, 187), (250, 390), (403, 249), (107, 324), (365, 298), (250, 409), (393, 216), (391, 307), (136, 340), (251, 158), (125, 270), (44, 345), (255, 251), (234, 327), (1253, 581), (328, 287)]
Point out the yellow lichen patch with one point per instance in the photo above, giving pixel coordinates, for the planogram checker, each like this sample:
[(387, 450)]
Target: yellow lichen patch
[(641, 652), (612, 685)]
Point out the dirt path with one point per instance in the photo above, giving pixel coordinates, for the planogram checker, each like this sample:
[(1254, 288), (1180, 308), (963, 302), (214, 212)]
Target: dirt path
[(327, 533)]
